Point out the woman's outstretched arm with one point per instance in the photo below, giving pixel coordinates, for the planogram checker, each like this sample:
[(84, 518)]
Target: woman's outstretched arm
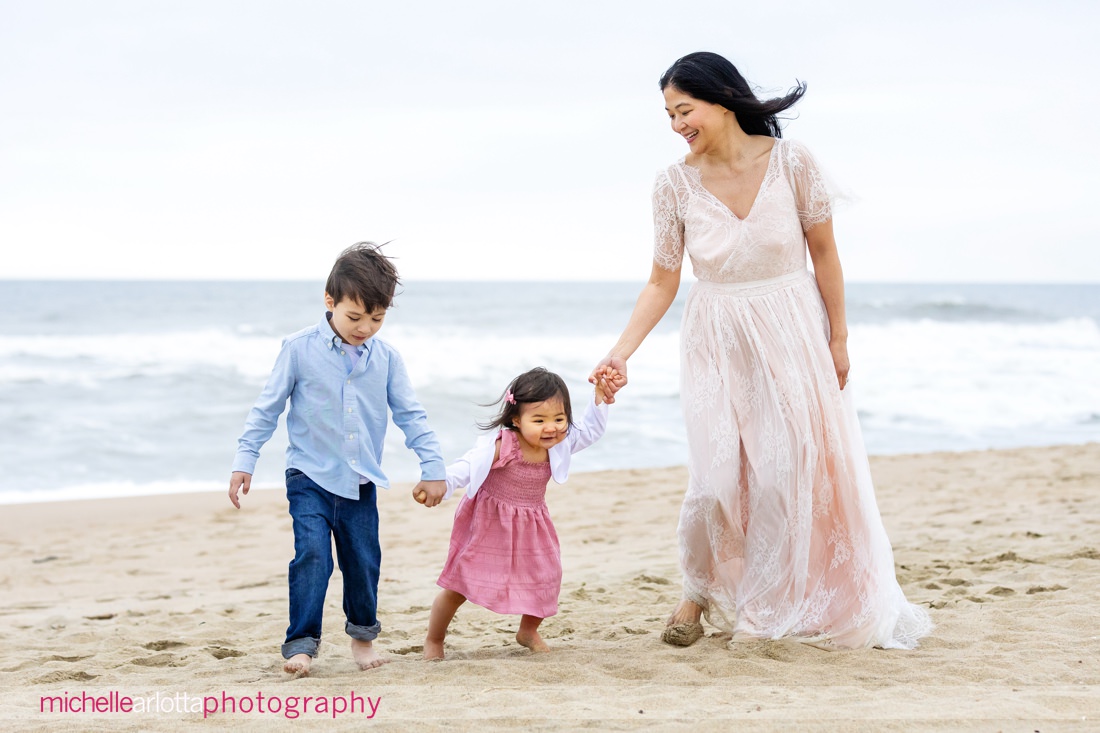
[(653, 302)]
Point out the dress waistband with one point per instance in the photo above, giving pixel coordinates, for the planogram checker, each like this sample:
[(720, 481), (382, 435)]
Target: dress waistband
[(754, 287)]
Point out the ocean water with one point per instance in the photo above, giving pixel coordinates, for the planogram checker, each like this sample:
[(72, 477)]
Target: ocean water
[(124, 388)]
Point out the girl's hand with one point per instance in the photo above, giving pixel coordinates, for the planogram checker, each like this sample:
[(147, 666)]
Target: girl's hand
[(839, 350), (601, 393), (608, 383)]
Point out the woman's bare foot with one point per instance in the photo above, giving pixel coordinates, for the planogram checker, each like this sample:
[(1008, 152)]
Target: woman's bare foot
[(531, 640), (683, 627), (364, 654), (432, 650), (298, 665), (688, 612)]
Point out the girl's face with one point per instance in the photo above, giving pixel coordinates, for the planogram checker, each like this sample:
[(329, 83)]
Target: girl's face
[(542, 424), (699, 123)]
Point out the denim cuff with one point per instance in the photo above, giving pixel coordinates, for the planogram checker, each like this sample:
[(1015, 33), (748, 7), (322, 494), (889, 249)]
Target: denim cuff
[(362, 633), (305, 645)]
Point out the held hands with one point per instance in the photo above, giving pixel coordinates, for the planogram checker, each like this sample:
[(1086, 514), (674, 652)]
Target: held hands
[(239, 480), (429, 493), (608, 382), (610, 376)]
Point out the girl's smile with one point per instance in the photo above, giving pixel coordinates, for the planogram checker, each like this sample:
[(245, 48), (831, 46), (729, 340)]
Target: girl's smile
[(542, 425)]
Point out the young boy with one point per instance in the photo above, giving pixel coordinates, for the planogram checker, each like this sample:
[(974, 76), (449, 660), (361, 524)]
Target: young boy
[(339, 380)]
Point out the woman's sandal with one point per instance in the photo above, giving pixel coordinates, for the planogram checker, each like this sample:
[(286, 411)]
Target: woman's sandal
[(682, 634)]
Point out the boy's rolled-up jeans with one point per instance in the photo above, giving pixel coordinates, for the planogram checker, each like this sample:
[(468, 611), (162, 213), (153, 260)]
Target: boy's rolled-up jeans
[(318, 517)]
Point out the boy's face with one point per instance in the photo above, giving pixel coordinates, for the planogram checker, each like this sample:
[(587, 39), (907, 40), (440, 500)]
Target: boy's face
[(351, 322)]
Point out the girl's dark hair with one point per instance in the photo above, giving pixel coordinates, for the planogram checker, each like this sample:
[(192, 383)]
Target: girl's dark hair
[(711, 78), (537, 385)]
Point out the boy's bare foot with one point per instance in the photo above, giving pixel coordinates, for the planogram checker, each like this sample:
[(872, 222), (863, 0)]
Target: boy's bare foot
[(532, 641), (365, 655), (433, 650), (298, 665)]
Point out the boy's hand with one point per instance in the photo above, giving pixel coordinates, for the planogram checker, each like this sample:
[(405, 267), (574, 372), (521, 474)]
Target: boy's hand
[(429, 493), (239, 480)]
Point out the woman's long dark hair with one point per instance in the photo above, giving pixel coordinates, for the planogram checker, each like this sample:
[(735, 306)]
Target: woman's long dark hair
[(711, 78)]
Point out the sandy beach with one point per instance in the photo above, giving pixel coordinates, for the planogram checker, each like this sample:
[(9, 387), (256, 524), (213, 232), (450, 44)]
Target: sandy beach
[(178, 603)]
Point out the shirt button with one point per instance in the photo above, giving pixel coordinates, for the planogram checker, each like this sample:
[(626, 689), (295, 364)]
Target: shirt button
[(349, 409), (349, 381), (351, 436), (353, 460)]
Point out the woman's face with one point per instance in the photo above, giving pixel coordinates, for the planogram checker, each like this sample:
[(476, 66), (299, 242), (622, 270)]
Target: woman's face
[(699, 123)]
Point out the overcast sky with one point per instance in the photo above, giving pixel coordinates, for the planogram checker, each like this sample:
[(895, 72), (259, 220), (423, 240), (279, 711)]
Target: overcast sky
[(509, 140)]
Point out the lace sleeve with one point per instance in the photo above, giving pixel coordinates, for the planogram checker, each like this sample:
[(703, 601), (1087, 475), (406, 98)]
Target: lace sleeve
[(668, 226), (814, 195)]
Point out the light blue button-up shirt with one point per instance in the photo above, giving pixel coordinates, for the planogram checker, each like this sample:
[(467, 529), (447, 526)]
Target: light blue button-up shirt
[(337, 419)]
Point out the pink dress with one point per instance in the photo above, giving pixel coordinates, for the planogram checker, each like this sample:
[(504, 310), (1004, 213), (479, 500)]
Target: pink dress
[(504, 552), (780, 534)]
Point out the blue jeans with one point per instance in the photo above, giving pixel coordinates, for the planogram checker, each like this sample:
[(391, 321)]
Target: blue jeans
[(318, 517)]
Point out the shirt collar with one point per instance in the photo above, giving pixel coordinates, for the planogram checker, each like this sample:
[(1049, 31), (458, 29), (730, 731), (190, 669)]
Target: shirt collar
[(333, 339)]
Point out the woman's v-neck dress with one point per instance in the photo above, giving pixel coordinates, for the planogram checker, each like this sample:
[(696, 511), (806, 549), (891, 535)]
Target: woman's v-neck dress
[(779, 532)]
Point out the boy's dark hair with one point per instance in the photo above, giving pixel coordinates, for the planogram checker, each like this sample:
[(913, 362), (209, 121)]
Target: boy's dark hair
[(537, 385), (363, 273)]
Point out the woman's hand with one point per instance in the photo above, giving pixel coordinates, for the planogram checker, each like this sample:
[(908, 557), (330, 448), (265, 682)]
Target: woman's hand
[(839, 350)]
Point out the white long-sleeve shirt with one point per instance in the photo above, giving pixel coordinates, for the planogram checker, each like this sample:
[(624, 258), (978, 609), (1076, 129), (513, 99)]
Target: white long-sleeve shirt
[(470, 470)]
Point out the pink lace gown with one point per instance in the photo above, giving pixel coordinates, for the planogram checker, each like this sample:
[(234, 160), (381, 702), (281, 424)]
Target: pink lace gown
[(779, 532), (504, 553)]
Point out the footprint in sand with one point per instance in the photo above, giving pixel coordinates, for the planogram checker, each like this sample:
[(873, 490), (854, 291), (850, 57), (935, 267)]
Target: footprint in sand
[(1045, 589), (157, 660), (55, 677), (221, 652), (1001, 590), (159, 646)]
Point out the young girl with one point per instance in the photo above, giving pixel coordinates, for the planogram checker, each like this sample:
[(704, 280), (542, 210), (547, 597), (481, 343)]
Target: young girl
[(504, 552)]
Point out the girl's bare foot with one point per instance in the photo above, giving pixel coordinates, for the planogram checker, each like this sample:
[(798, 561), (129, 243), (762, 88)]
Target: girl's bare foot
[(528, 634), (432, 650), (364, 654), (298, 665), (531, 640)]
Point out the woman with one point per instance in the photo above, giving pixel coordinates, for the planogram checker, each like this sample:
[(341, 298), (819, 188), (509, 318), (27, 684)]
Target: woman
[(779, 532)]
